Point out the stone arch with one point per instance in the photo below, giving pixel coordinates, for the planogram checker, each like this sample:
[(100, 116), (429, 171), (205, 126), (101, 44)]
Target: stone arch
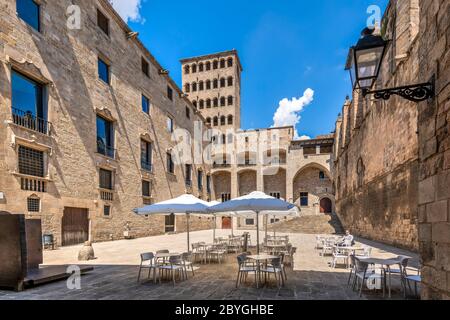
[(247, 181)]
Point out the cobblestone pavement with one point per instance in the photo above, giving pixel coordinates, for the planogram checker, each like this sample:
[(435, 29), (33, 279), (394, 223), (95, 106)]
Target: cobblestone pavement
[(116, 268)]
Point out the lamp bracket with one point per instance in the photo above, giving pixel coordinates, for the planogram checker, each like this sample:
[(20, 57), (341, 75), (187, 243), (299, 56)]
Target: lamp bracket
[(416, 93)]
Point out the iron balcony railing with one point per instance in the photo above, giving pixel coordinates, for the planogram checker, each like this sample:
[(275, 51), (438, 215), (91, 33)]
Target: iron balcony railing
[(107, 151), (27, 120), (146, 165)]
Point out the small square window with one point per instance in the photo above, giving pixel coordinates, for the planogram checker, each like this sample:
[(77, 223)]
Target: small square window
[(250, 222), (304, 199), (107, 211), (29, 11), (145, 104), (145, 67), (103, 22), (34, 204), (146, 189), (103, 71), (169, 93)]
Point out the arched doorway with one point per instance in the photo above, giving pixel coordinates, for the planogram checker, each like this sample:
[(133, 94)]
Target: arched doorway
[(326, 206)]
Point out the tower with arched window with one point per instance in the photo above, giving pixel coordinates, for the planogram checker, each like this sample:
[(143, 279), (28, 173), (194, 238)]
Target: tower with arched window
[(214, 80)]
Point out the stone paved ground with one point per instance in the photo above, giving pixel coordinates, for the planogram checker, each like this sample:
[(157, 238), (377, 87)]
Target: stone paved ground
[(116, 269)]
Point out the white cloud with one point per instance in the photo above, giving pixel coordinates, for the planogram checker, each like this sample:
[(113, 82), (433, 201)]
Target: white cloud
[(129, 10), (304, 138), (288, 113)]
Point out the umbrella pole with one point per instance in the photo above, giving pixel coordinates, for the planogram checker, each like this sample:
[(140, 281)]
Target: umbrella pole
[(188, 237), (274, 230), (267, 222), (214, 232), (257, 232)]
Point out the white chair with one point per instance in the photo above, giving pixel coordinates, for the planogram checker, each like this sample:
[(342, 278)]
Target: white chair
[(339, 253), (276, 268), (187, 263), (147, 262), (365, 253), (363, 274), (174, 268), (217, 253)]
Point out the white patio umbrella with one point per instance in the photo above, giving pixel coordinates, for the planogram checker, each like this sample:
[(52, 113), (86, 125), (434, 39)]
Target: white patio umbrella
[(184, 205), (259, 203)]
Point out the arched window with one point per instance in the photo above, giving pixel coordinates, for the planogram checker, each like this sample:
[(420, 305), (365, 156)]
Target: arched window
[(208, 120), (230, 120), (201, 67), (194, 68), (216, 121), (215, 64), (230, 62), (230, 81), (187, 87), (222, 63), (187, 69), (222, 82), (208, 84), (208, 66), (360, 173), (201, 104), (194, 103), (208, 103), (223, 102), (215, 83), (230, 100), (223, 121), (194, 86), (201, 86), (216, 102)]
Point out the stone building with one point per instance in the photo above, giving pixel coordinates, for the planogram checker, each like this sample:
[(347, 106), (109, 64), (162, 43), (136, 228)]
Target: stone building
[(392, 157), (86, 122)]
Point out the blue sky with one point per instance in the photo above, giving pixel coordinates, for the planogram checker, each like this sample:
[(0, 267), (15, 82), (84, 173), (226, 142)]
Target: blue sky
[(286, 47)]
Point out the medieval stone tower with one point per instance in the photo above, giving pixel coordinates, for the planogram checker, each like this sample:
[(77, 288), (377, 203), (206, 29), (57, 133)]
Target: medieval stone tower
[(213, 84)]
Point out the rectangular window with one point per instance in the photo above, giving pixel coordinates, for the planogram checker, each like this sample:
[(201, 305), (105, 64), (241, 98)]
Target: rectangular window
[(105, 137), (103, 71), (146, 189), (250, 222), (310, 150), (170, 164), (169, 93), (145, 104), (304, 199), (322, 175), (106, 179), (103, 22), (188, 113), (226, 197), (29, 11), (208, 184), (107, 211), (188, 175), (34, 204), (200, 180), (145, 67), (27, 100), (146, 155), (31, 162), (170, 124), (275, 195)]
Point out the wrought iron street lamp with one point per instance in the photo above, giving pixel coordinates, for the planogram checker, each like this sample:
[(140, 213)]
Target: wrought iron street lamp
[(364, 63)]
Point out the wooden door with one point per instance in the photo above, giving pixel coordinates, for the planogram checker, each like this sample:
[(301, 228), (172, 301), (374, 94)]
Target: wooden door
[(170, 223), (75, 226), (226, 223), (325, 205)]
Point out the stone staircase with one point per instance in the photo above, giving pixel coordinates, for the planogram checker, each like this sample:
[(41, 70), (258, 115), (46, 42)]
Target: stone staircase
[(322, 224)]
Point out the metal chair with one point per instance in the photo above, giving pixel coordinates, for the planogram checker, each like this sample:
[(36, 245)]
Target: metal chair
[(276, 268), (174, 267), (217, 253), (339, 253), (407, 279), (245, 269), (147, 258), (187, 263)]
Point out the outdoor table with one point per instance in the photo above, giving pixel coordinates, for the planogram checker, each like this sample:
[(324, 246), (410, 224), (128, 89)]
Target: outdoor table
[(384, 263), (259, 258), (205, 247), (166, 256)]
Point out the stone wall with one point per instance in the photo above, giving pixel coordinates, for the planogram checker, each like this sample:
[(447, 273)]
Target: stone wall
[(376, 150), (66, 61), (434, 144)]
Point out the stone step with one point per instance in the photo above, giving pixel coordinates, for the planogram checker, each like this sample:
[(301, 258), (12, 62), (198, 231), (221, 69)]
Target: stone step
[(322, 224)]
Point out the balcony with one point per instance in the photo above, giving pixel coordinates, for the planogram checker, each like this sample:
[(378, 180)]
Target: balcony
[(106, 195), (33, 184), (106, 151), (146, 165), (27, 120)]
